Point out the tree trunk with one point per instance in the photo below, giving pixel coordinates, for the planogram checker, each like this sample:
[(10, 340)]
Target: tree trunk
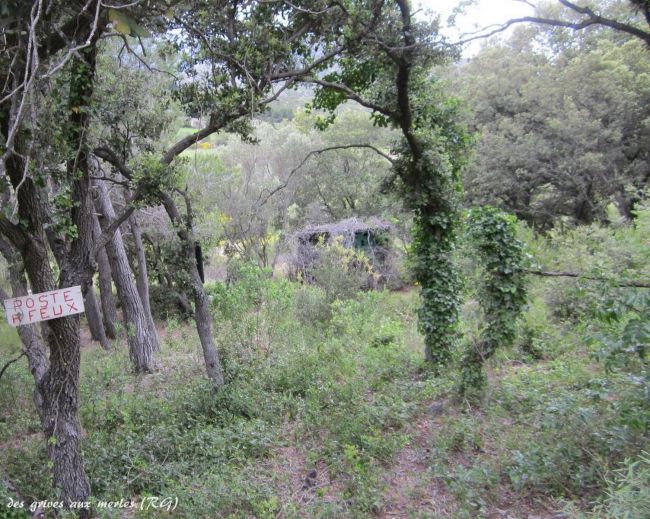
[(109, 311), (142, 276), (203, 320), (202, 315), (33, 345), (142, 340), (625, 204), (59, 386), (94, 317), (60, 390), (185, 232)]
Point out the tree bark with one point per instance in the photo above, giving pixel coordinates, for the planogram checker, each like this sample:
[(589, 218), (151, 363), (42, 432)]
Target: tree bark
[(142, 340), (109, 311), (203, 320), (33, 345), (202, 316), (142, 275), (94, 317), (59, 385)]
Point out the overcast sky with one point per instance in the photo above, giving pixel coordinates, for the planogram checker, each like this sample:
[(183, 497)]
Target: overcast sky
[(486, 12)]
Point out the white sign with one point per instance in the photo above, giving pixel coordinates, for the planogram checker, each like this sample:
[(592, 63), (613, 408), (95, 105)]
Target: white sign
[(44, 306)]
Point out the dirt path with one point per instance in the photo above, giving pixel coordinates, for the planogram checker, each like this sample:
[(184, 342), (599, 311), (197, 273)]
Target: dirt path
[(412, 491)]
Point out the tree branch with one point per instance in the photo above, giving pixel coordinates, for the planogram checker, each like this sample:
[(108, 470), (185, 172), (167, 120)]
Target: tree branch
[(14, 233), (351, 95), (318, 152), (107, 154), (4, 368), (592, 19), (552, 274)]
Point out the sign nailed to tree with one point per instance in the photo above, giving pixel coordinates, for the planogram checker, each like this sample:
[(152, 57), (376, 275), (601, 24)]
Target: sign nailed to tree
[(44, 306)]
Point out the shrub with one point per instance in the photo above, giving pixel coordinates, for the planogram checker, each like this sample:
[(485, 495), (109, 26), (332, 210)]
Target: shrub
[(311, 306), (628, 493), (340, 271)]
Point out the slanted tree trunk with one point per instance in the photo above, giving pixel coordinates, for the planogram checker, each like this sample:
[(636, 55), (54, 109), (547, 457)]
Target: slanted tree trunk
[(109, 311), (202, 315), (142, 339), (185, 232), (94, 317), (33, 345), (142, 275)]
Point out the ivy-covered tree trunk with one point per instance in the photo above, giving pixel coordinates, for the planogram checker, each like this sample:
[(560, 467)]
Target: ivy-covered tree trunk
[(142, 339), (502, 294), (432, 155), (392, 76), (440, 287)]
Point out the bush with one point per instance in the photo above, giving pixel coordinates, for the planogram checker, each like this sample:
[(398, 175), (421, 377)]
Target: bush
[(166, 303), (340, 271), (628, 494), (311, 306)]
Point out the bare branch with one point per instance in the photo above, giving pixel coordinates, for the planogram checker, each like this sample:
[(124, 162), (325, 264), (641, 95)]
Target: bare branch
[(107, 235), (591, 19), (318, 152), (4, 368), (551, 274), (107, 154)]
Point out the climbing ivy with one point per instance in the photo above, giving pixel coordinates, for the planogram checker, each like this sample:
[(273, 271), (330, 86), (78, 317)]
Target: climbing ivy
[(431, 187), (502, 295)]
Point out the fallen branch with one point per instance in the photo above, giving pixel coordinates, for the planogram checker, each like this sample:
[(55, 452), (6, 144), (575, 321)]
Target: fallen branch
[(551, 274)]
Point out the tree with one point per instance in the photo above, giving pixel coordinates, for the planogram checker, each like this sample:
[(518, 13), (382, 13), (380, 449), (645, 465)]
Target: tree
[(140, 332), (30, 41), (237, 58), (49, 62), (571, 154), (392, 78)]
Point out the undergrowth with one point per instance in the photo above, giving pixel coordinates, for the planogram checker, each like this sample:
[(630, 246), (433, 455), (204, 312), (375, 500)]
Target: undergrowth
[(562, 426)]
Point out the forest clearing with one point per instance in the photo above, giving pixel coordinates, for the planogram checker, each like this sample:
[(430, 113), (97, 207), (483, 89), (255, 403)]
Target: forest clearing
[(315, 262)]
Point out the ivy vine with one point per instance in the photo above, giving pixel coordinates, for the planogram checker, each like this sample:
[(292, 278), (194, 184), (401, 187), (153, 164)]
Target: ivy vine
[(502, 294)]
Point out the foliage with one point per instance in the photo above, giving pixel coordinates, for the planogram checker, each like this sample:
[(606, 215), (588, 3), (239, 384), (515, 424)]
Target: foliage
[(628, 495), (151, 178), (343, 396), (502, 295), (564, 159), (340, 271)]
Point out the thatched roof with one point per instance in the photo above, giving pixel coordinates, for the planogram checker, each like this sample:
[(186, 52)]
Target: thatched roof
[(345, 227)]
